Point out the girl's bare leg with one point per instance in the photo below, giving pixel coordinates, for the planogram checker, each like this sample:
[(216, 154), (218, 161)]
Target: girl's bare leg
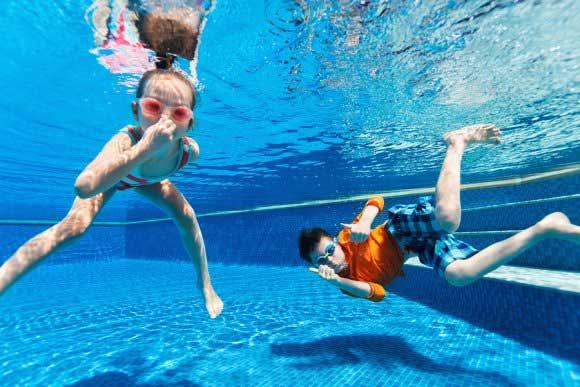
[(167, 197), (555, 225), (447, 192), (68, 230)]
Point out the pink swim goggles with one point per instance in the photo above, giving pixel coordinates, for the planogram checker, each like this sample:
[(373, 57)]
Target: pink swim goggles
[(153, 108)]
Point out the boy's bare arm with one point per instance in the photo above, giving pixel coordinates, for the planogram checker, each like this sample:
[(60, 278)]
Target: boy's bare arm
[(369, 214), (356, 288), (360, 231)]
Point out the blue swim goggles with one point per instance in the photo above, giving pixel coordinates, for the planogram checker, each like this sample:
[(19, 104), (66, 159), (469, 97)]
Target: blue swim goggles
[(328, 251)]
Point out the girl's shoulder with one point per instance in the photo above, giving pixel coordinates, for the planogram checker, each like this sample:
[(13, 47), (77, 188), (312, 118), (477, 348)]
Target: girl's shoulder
[(190, 151), (192, 147), (134, 132)]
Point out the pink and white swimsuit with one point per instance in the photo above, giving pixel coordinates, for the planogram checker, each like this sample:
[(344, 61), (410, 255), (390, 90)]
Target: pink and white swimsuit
[(135, 179), (123, 51)]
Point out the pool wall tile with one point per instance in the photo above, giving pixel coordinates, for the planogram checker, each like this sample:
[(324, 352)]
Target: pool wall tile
[(270, 237), (98, 244), (541, 318)]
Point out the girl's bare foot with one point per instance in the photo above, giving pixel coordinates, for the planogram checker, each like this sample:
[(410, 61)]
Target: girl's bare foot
[(213, 303), (480, 133)]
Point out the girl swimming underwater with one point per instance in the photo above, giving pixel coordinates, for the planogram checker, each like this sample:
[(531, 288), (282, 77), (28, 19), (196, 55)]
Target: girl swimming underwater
[(140, 157)]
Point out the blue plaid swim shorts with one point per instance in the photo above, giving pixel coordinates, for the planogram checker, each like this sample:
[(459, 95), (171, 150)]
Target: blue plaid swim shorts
[(417, 230)]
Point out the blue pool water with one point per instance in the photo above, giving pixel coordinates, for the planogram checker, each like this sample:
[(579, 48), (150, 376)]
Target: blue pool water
[(141, 322), (289, 112), (299, 101)]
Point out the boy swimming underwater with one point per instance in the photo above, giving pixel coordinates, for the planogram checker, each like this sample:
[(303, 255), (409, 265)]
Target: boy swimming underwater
[(361, 261)]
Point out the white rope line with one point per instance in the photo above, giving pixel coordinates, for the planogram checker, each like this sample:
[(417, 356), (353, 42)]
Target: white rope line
[(533, 201), (391, 194), (159, 220), (16, 222), (491, 232)]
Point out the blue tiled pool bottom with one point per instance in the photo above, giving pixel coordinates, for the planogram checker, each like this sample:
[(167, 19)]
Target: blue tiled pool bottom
[(131, 322)]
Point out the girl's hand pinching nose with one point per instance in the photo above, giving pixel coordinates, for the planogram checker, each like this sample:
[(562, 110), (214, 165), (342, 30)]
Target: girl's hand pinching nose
[(161, 135)]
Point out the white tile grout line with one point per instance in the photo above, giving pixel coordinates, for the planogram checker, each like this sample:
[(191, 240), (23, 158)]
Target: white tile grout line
[(565, 281)]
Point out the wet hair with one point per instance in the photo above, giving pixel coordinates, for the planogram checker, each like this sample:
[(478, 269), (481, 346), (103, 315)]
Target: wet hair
[(164, 74), (308, 240), (166, 34), (164, 61)]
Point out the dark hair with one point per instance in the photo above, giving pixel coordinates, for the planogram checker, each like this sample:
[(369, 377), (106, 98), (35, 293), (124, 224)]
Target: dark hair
[(164, 61), (164, 33), (168, 74), (308, 240)]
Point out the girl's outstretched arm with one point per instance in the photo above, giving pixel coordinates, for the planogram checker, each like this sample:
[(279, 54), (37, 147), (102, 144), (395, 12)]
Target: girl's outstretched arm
[(119, 157)]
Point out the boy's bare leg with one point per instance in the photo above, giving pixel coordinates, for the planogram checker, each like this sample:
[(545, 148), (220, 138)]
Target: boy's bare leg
[(555, 225), (68, 230), (447, 192)]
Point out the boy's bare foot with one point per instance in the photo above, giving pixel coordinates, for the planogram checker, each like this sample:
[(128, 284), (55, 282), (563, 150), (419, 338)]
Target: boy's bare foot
[(480, 133), (557, 225)]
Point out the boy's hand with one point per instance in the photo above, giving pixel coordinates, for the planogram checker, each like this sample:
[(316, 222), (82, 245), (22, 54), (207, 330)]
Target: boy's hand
[(326, 273), (213, 303), (359, 232), (159, 137)]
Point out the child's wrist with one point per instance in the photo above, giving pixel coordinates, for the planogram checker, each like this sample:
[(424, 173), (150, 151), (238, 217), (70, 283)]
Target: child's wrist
[(366, 222), (143, 149)]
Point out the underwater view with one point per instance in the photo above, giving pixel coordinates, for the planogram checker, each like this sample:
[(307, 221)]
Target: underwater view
[(290, 193)]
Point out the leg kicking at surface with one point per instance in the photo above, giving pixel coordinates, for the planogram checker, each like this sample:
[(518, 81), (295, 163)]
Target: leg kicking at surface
[(447, 192)]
